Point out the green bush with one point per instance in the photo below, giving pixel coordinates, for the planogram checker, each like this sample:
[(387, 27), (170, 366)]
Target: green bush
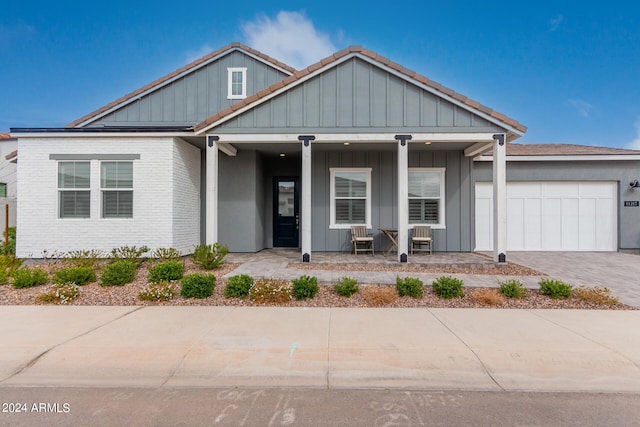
[(305, 287), (209, 256), (25, 277), (166, 272), (8, 264), (346, 287), (448, 287), (62, 293), (166, 254), (10, 248), (130, 253), (87, 258), (555, 288), (513, 289), (410, 286), (118, 273), (238, 286), (198, 285), (77, 275), (158, 292)]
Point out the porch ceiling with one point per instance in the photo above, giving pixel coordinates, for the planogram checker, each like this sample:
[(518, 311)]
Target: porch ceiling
[(290, 148)]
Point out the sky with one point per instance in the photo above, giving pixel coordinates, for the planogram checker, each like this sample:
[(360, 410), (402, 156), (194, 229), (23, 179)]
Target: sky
[(568, 70)]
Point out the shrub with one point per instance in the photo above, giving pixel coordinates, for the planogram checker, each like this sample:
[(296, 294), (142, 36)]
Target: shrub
[(158, 292), (78, 275), (166, 272), (118, 273), (410, 286), (8, 264), (130, 253), (488, 296), (448, 287), (10, 247), (270, 291), (305, 287), (597, 295), (25, 277), (555, 289), (62, 293), (378, 296), (209, 256), (238, 286), (513, 289), (346, 287), (198, 285), (85, 258), (166, 254)]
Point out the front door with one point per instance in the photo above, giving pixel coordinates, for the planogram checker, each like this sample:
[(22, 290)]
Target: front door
[(285, 212)]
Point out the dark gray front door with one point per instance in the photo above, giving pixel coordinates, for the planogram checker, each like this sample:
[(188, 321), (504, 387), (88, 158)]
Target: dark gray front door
[(285, 212)]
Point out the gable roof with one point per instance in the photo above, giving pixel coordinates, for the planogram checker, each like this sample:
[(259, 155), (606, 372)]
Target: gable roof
[(299, 76), (181, 71), (564, 150)]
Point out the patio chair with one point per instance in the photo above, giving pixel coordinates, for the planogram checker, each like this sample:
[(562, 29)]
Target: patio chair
[(421, 237), (362, 241)]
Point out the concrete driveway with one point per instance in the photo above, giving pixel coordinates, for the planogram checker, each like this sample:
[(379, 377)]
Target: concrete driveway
[(617, 271)]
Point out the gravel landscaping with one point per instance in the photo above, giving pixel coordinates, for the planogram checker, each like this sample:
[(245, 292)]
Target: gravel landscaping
[(94, 294)]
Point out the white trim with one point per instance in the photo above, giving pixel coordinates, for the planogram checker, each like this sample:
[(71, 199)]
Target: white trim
[(211, 195), (230, 72), (564, 158), (499, 198), (305, 196), (477, 149), (332, 192), (227, 149), (443, 200), (358, 137), (98, 134)]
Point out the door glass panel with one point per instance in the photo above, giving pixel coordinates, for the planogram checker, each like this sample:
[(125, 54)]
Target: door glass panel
[(286, 198)]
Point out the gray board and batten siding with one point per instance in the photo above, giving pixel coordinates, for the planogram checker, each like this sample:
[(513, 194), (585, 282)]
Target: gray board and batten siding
[(194, 97)]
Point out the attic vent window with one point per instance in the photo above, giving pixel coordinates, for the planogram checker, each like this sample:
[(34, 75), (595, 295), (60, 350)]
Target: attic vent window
[(237, 83)]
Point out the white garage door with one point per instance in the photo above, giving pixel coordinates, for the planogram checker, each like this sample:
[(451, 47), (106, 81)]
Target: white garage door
[(551, 216)]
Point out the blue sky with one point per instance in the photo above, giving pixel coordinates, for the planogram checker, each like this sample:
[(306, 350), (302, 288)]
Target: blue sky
[(569, 70)]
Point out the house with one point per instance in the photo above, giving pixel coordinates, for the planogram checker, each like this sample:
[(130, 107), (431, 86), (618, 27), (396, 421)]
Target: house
[(241, 149)]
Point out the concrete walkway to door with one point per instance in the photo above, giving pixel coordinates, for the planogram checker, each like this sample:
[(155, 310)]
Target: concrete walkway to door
[(617, 271)]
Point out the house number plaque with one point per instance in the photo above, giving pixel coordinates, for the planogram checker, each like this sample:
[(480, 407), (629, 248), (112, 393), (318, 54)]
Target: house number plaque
[(632, 203)]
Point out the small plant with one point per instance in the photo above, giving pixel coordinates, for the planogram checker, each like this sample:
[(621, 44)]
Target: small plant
[(238, 286), (597, 295), (130, 253), (166, 272), (305, 287), (513, 289), (78, 275), (489, 296), (62, 293), (10, 247), (87, 258), (448, 287), (8, 264), (119, 273), (209, 256), (25, 277), (555, 289), (198, 285), (166, 254), (378, 296), (270, 291), (346, 287), (410, 286), (158, 292)]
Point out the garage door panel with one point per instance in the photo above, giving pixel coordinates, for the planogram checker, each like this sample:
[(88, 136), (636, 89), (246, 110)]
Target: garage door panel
[(587, 221), (570, 224), (560, 190), (605, 220), (515, 223), (551, 224), (532, 224)]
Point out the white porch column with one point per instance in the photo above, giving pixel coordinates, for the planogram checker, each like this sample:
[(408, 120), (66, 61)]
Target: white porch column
[(305, 198), (403, 196), (499, 198), (211, 196)]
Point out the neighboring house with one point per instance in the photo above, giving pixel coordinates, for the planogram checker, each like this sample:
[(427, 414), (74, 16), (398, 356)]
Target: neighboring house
[(8, 184), (241, 149)]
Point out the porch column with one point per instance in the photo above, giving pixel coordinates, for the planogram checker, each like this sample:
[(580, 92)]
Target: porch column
[(499, 198), (305, 198), (211, 196), (403, 196)]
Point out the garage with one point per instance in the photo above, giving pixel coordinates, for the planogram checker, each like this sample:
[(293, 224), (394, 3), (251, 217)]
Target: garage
[(551, 216)]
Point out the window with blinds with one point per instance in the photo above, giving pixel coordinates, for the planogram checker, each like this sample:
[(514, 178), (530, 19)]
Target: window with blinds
[(116, 185), (74, 192), (350, 197), (426, 191)]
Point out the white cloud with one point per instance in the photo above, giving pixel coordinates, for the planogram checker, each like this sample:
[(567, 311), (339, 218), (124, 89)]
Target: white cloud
[(635, 144), (554, 23), (582, 107), (291, 38)]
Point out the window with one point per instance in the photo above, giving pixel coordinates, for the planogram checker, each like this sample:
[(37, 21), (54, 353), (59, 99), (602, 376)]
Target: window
[(426, 196), (350, 197), (237, 83), (73, 189), (116, 185), (3, 189)]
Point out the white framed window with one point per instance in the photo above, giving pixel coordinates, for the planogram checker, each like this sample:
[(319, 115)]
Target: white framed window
[(426, 197), (3, 189), (74, 192), (116, 188), (350, 194), (237, 83)]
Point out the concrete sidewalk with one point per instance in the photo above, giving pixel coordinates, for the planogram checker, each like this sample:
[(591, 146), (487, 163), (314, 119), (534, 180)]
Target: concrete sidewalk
[(469, 349)]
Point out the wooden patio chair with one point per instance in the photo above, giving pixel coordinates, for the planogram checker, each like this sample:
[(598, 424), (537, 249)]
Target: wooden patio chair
[(362, 241), (421, 236)]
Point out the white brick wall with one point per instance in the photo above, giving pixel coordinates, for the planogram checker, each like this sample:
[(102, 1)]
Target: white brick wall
[(39, 227), (186, 196)]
